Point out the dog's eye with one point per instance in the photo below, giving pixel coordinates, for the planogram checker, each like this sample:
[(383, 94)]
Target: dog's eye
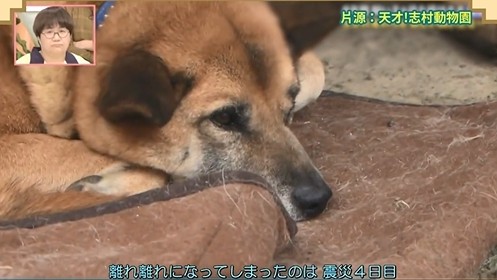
[(230, 118), (224, 118)]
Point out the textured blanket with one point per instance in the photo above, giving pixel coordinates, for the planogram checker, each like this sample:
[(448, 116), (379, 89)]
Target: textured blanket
[(219, 219), (414, 189)]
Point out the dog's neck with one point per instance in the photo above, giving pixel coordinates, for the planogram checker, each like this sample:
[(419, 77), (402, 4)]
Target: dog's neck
[(102, 12)]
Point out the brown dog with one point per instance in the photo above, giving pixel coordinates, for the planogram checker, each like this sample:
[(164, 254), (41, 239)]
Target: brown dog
[(180, 89)]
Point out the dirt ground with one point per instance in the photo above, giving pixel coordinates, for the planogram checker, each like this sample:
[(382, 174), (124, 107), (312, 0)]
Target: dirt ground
[(415, 66), (412, 66)]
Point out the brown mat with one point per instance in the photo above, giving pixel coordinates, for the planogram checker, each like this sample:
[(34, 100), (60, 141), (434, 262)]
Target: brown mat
[(226, 218), (414, 186)]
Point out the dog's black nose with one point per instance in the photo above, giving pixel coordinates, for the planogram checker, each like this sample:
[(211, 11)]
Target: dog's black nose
[(312, 199)]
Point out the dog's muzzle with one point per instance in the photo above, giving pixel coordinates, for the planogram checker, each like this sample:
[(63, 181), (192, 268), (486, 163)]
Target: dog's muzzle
[(310, 194)]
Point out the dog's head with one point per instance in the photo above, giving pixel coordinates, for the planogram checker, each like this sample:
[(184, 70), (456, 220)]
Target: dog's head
[(191, 88)]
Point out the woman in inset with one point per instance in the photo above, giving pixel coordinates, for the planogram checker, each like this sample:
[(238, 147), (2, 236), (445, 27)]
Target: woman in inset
[(53, 27)]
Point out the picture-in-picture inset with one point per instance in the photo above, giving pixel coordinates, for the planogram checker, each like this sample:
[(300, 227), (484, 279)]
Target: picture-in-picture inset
[(55, 35)]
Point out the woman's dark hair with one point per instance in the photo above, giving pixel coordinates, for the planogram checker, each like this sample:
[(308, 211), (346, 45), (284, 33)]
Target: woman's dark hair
[(51, 16)]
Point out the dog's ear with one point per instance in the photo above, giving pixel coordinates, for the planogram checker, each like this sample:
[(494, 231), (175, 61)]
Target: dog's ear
[(139, 88), (306, 23)]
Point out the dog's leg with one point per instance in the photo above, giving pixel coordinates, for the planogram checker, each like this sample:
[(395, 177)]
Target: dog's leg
[(310, 71), (121, 179), (50, 94), (37, 169)]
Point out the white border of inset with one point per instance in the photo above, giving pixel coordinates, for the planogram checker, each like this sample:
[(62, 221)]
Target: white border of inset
[(34, 8)]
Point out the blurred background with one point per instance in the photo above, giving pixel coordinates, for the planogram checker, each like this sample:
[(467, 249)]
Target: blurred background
[(412, 64)]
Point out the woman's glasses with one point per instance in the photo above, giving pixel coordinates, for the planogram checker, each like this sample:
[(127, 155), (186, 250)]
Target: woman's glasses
[(51, 34)]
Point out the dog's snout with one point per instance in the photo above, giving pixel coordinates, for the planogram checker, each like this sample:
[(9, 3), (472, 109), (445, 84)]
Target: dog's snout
[(312, 201), (312, 196)]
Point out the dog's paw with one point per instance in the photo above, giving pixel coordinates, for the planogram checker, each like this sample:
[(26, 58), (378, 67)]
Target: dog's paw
[(121, 180), (89, 183), (312, 80)]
